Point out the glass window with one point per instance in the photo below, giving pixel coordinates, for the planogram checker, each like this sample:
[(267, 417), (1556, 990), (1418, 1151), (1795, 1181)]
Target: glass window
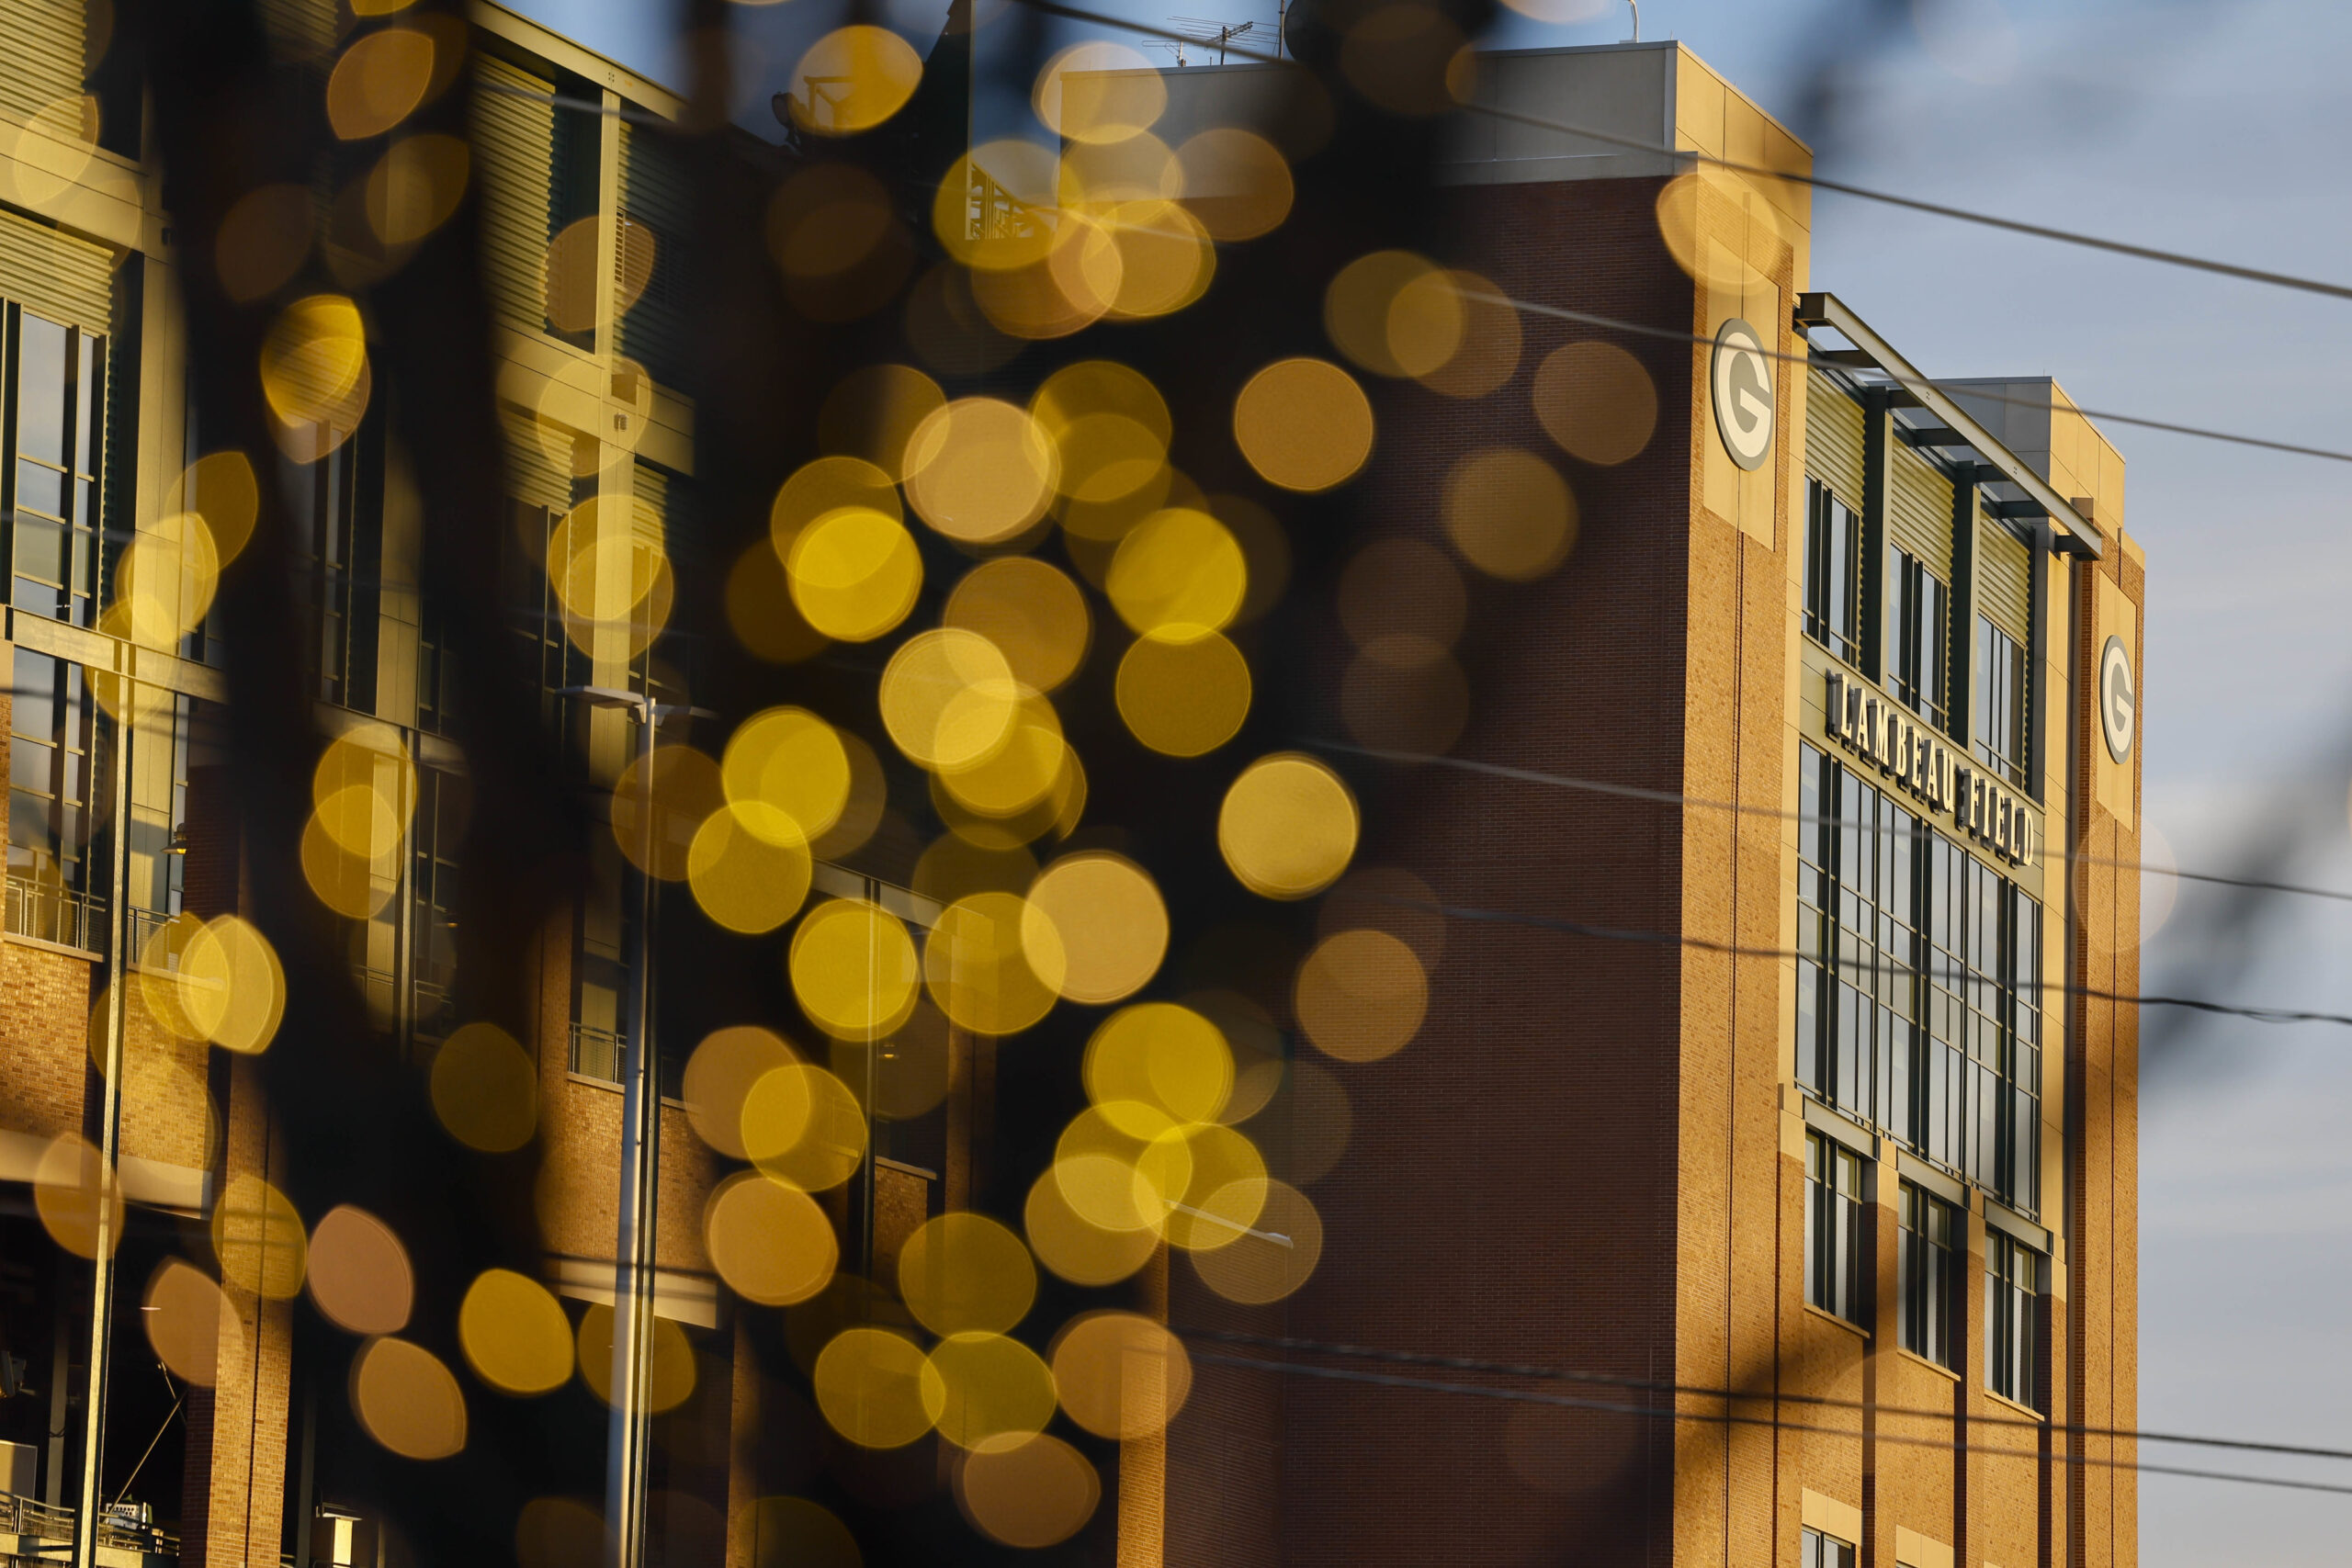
[(58, 373), (334, 513), (54, 771), (1819, 1551), (2002, 703), (1918, 631), (441, 803), (1833, 554), (1833, 1228), (1925, 1274), (2012, 1292)]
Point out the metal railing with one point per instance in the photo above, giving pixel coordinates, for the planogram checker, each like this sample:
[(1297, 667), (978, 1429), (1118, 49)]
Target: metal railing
[(597, 1052), (140, 929), (28, 1520), (47, 912)]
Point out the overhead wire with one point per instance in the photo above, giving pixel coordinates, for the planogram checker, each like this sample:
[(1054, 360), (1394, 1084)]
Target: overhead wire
[(1733, 1418), (1826, 1401), (1818, 182)]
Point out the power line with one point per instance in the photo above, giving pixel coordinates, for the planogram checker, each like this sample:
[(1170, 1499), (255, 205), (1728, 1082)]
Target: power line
[(1729, 1418), (1828, 1402), (1668, 797), (1841, 187)]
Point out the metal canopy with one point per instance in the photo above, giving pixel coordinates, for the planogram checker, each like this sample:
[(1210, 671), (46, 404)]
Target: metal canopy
[(2070, 532)]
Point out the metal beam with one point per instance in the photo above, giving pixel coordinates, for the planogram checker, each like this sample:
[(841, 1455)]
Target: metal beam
[(2070, 531)]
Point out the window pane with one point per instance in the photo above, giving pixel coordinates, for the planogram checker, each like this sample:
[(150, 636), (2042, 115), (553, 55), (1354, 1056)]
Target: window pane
[(41, 384), (40, 489)]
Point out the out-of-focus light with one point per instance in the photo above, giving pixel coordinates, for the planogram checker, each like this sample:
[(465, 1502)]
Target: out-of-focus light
[(1288, 826), (360, 1278), (183, 1312), (1510, 513), (1303, 425), (1597, 401), (1120, 1376), (1362, 994), (381, 78), (720, 1073), (514, 1332), (1033, 613), (771, 1243), (995, 1387), (1028, 1492), (408, 1400), (854, 969), (486, 1089), (855, 78), (876, 1388), (802, 1127)]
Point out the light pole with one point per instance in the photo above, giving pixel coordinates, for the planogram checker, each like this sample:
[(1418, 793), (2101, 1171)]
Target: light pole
[(633, 1252)]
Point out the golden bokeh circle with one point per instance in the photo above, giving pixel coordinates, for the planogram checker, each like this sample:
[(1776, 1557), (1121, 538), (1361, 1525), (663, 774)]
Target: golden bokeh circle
[(876, 1388), (1227, 1189), (1120, 1165), (771, 1243), (1275, 1261), (718, 1075), (948, 698), (514, 1332), (1098, 92), (1596, 400), (748, 867), (1179, 573), (231, 984), (1288, 826), (380, 79), (682, 788), (1510, 513), (1303, 425), (78, 1197), (829, 484), (791, 760), (1075, 1248), (263, 1245), (670, 1365), (1235, 183), (868, 416), (1032, 612), (1163, 1056), (854, 969), (1120, 1376), (1362, 994), (360, 1278), (995, 1387), (962, 1272), (408, 1401), (1107, 919), (980, 469), (867, 73), (485, 1090), (854, 573), (989, 968), (1183, 698), (1027, 1492), (183, 1312), (803, 1127)]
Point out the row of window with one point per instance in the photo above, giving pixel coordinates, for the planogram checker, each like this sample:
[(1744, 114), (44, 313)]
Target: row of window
[(1930, 1309), (1915, 623), (1919, 1007)]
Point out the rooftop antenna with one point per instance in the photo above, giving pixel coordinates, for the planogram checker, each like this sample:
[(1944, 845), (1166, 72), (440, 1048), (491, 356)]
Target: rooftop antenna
[(1206, 33)]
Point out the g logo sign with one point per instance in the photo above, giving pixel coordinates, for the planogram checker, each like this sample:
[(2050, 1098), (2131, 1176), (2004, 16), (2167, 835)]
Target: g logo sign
[(2119, 699), (1741, 378)]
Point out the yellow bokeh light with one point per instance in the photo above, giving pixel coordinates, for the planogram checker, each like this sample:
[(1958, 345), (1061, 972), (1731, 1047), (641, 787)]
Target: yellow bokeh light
[(165, 578), (408, 1400), (1111, 424), (1100, 175), (1178, 574), (1274, 1262), (231, 987), (1027, 1492), (221, 487), (607, 568), (1159, 1054), (1120, 1376), (1073, 1246), (1489, 351), (682, 788), (183, 1313), (78, 1197), (830, 484), (1362, 994), (1235, 183), (748, 867), (906, 1076), (1597, 401), (792, 762), (1183, 697), (1015, 180), (853, 79), (1288, 826), (1032, 612), (1166, 259), (949, 699), (876, 1388), (804, 1128), (1401, 587), (380, 79), (360, 1278), (963, 1273), (315, 375), (1388, 898), (1096, 93), (870, 416), (261, 1242), (416, 187), (989, 968), (1361, 314), (1510, 513), (264, 239), (1021, 774), (869, 795), (1303, 425), (720, 1073), (854, 573), (670, 1370), (771, 1243), (514, 1332), (575, 285), (1221, 1202), (1120, 1165), (1107, 919), (791, 1532), (485, 1090), (854, 969), (980, 469), (994, 1387)]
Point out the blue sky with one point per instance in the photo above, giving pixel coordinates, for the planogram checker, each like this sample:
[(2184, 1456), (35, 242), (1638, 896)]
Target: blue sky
[(2210, 125)]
